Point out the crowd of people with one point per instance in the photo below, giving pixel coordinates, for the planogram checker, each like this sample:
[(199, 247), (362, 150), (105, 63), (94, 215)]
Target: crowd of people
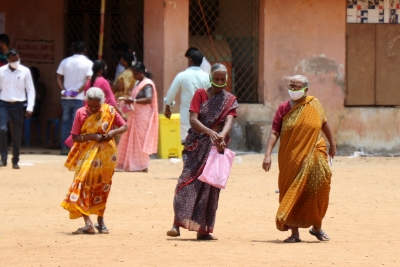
[(108, 127)]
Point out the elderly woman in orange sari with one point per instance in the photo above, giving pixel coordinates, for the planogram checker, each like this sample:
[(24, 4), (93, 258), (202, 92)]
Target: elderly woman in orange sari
[(304, 174), (140, 141), (93, 158)]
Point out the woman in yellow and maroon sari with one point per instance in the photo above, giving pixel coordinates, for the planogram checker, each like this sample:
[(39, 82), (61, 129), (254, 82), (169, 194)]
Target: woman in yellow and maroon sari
[(93, 158), (304, 174)]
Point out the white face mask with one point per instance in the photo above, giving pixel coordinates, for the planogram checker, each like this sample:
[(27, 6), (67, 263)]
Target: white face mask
[(295, 95), (15, 64)]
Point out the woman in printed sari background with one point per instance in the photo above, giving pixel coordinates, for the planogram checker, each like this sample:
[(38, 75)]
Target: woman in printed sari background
[(93, 158), (304, 175), (211, 114), (140, 141), (125, 81)]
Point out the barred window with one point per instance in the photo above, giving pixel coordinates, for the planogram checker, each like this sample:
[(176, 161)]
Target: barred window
[(226, 31), (123, 23)]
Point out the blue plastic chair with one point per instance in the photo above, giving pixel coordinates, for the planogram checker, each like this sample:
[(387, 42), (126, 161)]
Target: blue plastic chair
[(56, 123), (27, 130)]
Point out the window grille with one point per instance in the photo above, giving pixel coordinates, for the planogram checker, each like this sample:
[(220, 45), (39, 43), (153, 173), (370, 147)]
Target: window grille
[(226, 31), (123, 23)]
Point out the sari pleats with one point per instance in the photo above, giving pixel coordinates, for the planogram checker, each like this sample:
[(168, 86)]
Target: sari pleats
[(304, 174)]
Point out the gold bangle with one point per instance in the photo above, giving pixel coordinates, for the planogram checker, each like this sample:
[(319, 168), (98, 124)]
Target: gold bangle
[(82, 138)]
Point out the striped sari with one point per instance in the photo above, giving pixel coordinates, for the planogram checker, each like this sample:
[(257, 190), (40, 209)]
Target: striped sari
[(94, 163), (304, 174)]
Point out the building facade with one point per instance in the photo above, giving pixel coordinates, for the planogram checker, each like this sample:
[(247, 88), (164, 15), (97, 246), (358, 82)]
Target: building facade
[(260, 41)]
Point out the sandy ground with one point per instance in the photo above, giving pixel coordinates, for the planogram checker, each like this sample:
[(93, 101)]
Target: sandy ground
[(35, 230)]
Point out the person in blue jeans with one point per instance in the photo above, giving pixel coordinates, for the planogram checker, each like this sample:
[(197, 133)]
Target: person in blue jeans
[(71, 77)]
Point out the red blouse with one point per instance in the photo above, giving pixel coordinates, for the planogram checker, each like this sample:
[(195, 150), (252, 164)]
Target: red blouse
[(199, 97), (82, 115), (283, 109)]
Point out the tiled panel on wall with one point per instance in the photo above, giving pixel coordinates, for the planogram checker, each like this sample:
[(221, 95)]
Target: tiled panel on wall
[(373, 11)]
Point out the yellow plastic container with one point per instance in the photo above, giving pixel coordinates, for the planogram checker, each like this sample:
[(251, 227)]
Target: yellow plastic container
[(169, 137)]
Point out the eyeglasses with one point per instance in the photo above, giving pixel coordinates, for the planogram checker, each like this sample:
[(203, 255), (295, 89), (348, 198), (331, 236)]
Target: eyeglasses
[(294, 87)]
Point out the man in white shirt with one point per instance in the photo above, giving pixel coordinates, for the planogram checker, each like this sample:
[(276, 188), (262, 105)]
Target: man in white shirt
[(187, 82), (205, 65), (16, 86), (72, 74)]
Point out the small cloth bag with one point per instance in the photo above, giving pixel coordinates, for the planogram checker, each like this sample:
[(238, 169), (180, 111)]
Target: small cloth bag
[(218, 167)]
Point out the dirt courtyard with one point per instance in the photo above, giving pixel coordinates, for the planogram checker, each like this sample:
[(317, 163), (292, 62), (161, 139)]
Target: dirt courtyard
[(36, 231)]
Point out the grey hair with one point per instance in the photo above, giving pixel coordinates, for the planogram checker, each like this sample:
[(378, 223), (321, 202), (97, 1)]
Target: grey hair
[(218, 67), (95, 93), (299, 78)]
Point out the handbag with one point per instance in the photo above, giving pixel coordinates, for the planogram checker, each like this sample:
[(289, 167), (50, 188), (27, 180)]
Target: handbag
[(218, 167), (125, 107)]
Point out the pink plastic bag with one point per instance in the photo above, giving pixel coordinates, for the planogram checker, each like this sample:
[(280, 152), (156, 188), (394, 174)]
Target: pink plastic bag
[(69, 142), (218, 167)]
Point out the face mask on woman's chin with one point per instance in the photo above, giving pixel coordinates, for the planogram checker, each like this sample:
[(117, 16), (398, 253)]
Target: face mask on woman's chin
[(296, 95), (15, 64)]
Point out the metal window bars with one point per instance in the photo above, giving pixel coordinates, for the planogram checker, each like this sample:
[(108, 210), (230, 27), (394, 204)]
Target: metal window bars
[(123, 23), (226, 31)]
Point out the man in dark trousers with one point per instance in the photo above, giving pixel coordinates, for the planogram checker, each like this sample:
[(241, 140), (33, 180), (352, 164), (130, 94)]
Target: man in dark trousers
[(16, 87)]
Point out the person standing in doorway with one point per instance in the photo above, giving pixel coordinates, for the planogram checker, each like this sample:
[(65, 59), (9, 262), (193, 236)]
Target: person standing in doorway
[(72, 74), (205, 65), (122, 48), (187, 82), (16, 87)]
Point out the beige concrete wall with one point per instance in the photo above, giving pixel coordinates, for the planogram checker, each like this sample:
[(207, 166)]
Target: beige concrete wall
[(308, 38), (35, 20), (165, 42)]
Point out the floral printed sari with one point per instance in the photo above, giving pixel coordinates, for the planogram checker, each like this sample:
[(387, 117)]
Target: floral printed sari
[(94, 163), (195, 202)]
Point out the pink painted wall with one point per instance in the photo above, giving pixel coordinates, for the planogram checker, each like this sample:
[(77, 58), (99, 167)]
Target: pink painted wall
[(35, 20), (166, 27)]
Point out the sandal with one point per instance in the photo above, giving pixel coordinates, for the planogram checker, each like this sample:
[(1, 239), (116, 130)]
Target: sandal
[(207, 237), (101, 230), (83, 231), (174, 232), (321, 236), (292, 239)]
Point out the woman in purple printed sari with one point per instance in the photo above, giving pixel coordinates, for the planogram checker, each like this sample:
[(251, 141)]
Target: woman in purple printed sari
[(211, 114)]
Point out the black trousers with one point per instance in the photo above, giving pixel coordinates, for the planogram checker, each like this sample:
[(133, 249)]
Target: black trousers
[(15, 113)]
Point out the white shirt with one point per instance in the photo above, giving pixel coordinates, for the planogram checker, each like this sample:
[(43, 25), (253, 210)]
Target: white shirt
[(206, 66), (118, 70), (188, 82), (75, 69), (17, 85)]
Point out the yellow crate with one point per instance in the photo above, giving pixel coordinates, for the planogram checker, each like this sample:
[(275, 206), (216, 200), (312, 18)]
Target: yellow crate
[(169, 137)]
